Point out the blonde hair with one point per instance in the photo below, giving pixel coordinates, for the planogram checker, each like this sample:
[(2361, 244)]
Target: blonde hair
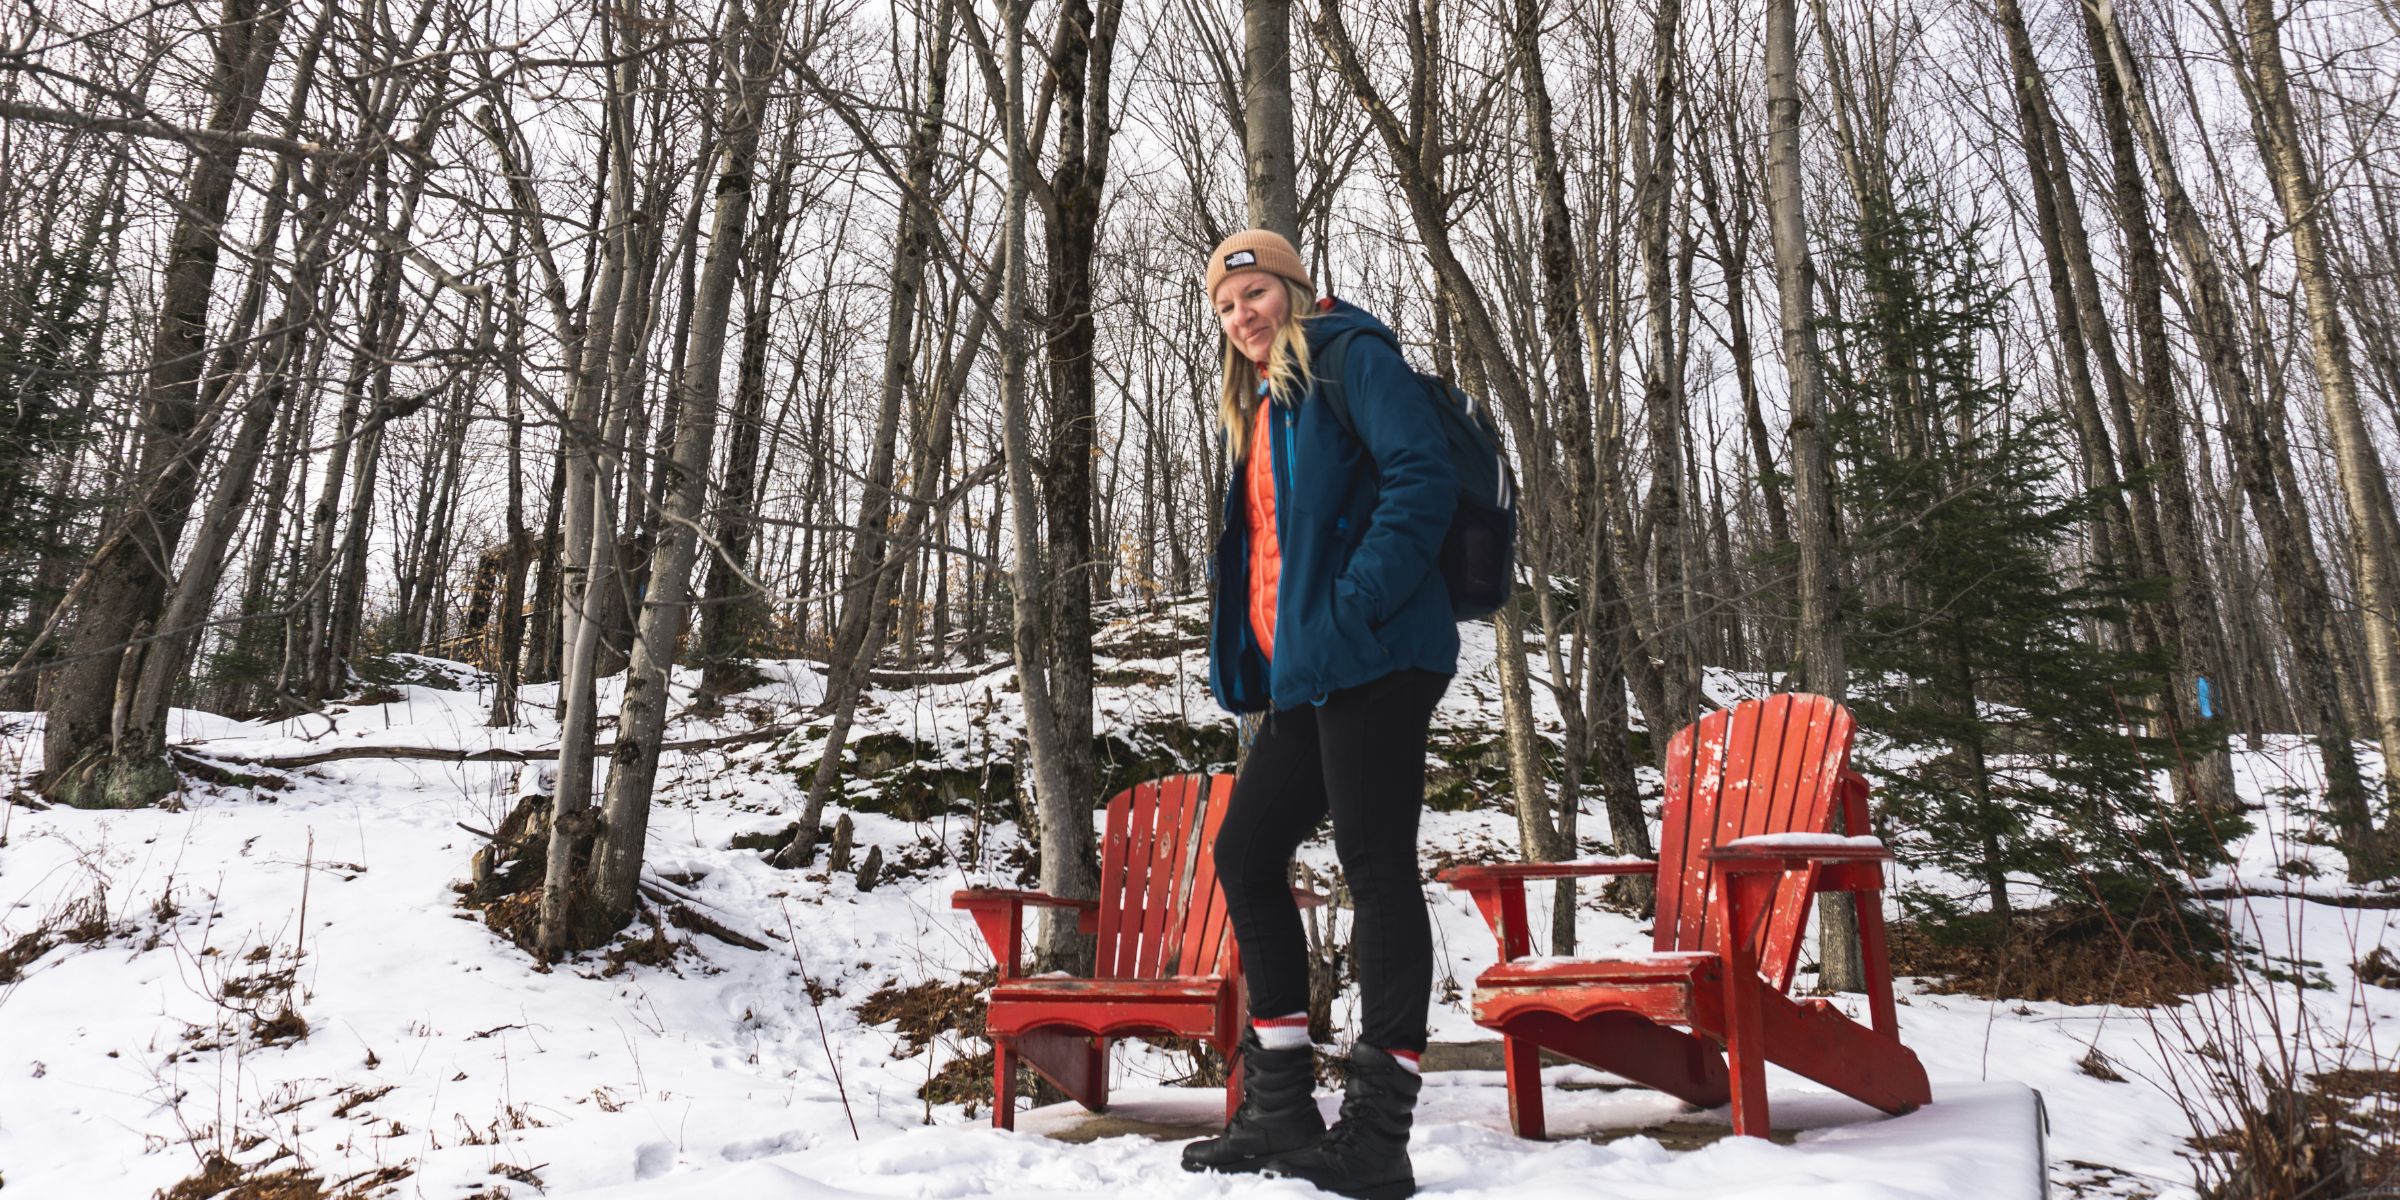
[(1287, 369)]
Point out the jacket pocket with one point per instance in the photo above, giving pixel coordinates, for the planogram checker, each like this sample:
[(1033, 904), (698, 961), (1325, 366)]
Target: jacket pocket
[(1361, 648)]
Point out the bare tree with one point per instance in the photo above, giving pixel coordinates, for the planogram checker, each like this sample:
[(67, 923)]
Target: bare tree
[(119, 607)]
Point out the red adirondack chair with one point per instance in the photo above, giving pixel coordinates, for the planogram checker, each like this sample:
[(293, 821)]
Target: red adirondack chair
[(1744, 853), (1164, 964)]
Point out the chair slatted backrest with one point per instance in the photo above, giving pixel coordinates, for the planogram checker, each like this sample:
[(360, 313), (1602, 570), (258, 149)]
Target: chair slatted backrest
[(1161, 912), (1763, 766)]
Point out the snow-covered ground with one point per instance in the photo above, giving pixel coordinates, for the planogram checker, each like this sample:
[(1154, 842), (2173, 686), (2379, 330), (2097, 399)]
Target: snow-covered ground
[(433, 1059)]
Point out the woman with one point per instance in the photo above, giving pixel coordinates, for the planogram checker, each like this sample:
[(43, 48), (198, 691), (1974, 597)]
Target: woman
[(1331, 618)]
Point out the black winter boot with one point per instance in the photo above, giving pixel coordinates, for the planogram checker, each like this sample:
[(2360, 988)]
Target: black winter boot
[(1365, 1156), (1278, 1113)]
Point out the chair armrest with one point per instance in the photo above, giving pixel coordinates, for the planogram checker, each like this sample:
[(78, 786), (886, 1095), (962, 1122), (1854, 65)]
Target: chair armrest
[(1499, 891), (974, 898), (1487, 874), (1778, 852), (1000, 914)]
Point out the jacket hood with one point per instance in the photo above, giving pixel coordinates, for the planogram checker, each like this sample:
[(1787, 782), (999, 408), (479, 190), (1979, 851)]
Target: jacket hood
[(1341, 318)]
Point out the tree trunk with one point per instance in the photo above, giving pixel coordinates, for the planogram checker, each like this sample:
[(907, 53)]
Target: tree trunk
[(732, 608), (129, 574), (588, 536), (2301, 598), (1062, 808), (753, 38), (1272, 186), (1667, 510), (1820, 636), (2150, 436), (2374, 532), (865, 587)]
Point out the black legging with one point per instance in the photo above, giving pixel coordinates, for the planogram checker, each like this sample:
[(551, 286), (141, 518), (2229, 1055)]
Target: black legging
[(1360, 756)]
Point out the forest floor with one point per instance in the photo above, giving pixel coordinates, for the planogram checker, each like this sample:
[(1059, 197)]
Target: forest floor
[(271, 981)]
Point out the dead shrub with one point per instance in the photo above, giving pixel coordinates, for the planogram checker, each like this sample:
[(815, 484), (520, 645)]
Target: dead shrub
[(24, 952), (2379, 968), (2065, 955), (966, 1080), (221, 1178), (927, 1010), (2098, 1066), (653, 949), (81, 922), (2289, 1144), (285, 1028)]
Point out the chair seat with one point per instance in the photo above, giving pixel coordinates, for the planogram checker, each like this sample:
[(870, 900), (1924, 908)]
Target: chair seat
[(1674, 988), (1669, 967), (1188, 1005), (1070, 989)]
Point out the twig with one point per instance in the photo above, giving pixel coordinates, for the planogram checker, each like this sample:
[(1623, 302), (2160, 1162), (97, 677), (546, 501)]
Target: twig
[(308, 862), (816, 1006)]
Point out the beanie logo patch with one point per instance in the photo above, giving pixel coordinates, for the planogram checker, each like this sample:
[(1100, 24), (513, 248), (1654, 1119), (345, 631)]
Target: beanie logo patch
[(1240, 258)]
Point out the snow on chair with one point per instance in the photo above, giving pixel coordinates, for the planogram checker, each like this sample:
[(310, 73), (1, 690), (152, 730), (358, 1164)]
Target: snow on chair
[(1164, 962), (1746, 847)]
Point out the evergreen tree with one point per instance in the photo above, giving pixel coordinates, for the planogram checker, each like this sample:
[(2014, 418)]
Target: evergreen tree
[(2017, 750), (46, 319)]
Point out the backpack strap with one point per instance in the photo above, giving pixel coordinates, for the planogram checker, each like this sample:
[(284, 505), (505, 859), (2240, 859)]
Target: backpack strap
[(1326, 366)]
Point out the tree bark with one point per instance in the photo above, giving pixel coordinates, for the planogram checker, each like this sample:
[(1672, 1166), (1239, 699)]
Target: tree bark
[(2301, 597), (2374, 532), (1820, 636), (1271, 183), (753, 39), (129, 575), (866, 586), (1063, 808), (588, 535)]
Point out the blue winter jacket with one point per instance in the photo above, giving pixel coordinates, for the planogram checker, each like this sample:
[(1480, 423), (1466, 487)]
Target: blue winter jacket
[(1360, 522)]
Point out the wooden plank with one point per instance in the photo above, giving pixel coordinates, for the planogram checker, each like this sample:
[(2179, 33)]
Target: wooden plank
[(1067, 1060), (1158, 901), (1112, 882), (1821, 737), (1004, 1085), (1801, 735), (1673, 820), (1187, 852), (1178, 870), (1683, 1066), (1708, 793), (1816, 1040), (1116, 1016), (1745, 1051), (1206, 937), (1675, 854), (1140, 836), (1747, 795), (1539, 973), (1777, 724), (1068, 989), (1524, 1066), (1201, 893)]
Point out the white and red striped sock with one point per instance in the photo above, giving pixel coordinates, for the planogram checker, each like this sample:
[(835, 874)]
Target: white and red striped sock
[(1408, 1059), (1282, 1033)]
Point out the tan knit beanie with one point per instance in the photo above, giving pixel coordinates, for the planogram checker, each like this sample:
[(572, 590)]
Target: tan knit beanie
[(1256, 250)]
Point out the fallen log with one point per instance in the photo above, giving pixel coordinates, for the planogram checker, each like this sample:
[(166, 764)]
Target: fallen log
[(689, 911), (2337, 899), (499, 754)]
